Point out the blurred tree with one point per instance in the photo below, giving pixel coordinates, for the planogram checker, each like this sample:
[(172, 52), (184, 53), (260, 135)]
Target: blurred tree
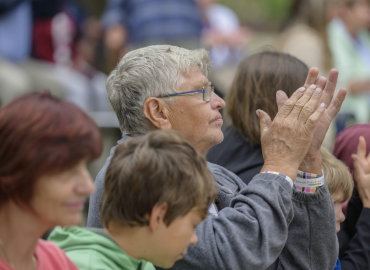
[(262, 14)]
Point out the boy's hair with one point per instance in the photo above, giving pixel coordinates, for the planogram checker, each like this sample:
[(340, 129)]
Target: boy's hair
[(158, 167), (337, 174)]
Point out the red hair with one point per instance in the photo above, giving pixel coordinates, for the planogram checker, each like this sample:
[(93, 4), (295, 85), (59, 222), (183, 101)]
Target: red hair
[(42, 135)]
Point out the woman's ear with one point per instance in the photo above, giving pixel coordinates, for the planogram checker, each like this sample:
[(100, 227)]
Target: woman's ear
[(157, 113), (156, 219)]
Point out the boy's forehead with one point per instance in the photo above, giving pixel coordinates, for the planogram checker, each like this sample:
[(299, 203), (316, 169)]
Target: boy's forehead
[(338, 196)]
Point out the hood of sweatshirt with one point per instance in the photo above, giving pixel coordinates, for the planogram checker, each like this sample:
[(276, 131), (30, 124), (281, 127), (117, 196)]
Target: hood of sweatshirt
[(93, 249)]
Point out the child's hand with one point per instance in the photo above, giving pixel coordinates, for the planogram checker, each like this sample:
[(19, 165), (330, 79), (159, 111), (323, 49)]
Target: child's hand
[(361, 164)]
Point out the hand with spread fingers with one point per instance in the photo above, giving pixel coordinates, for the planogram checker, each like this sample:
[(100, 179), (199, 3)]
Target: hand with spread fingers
[(361, 163), (286, 140), (312, 161)]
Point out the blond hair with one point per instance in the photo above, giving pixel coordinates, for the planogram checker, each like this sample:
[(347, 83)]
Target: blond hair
[(337, 175)]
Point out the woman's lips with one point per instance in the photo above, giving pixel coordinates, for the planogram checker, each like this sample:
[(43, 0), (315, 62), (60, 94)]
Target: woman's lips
[(218, 119), (76, 206)]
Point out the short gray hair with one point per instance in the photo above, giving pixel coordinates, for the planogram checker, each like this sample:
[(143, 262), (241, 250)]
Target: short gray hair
[(149, 72)]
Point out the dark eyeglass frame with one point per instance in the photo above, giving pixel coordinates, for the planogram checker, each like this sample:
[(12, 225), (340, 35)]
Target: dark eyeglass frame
[(203, 90)]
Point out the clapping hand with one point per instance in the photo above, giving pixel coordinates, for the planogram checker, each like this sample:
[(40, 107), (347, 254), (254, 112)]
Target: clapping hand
[(286, 140), (312, 161), (361, 163)]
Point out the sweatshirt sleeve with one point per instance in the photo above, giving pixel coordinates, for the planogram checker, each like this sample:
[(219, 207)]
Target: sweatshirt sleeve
[(250, 234), (312, 242), (357, 256)]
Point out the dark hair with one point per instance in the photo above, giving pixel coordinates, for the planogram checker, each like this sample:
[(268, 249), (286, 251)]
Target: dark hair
[(254, 87), (41, 135), (158, 167)]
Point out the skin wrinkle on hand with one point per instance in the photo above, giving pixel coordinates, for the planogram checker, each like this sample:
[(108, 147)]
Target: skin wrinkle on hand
[(294, 130), (313, 158)]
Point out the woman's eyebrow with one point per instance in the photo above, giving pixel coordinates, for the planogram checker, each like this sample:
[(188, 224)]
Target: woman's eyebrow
[(201, 84)]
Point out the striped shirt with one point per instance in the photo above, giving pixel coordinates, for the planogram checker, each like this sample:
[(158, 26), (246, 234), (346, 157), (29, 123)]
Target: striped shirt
[(153, 21)]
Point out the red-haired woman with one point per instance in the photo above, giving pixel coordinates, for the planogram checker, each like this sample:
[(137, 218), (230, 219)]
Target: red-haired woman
[(45, 145)]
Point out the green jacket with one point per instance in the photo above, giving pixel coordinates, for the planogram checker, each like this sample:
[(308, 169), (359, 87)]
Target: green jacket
[(93, 249), (351, 66)]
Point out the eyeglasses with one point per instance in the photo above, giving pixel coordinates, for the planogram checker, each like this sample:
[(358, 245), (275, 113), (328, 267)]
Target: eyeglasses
[(206, 90)]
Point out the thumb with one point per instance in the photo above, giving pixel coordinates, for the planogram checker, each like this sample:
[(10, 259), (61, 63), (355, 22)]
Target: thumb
[(281, 97), (359, 171), (361, 148), (265, 121)]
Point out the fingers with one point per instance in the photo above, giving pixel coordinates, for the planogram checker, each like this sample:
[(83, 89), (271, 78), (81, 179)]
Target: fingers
[(311, 77), (310, 105), (290, 103), (315, 117), (337, 103), (303, 102), (359, 171), (329, 89), (265, 120), (361, 148), (281, 97), (321, 82)]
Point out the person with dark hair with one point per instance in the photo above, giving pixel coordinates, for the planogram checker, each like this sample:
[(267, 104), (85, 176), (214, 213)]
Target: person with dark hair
[(45, 145), (258, 78), (158, 188)]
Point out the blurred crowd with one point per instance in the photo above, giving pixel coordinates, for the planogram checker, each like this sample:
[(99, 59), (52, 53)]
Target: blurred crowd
[(57, 45), (60, 46), (104, 66)]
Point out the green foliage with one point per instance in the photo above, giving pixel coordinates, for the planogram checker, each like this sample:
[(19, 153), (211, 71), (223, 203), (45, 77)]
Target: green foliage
[(266, 13)]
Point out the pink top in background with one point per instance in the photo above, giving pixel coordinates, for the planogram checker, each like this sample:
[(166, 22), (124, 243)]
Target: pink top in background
[(49, 257)]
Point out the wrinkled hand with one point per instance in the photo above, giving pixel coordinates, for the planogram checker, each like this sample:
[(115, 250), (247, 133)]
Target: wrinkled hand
[(286, 140), (312, 161), (361, 164)]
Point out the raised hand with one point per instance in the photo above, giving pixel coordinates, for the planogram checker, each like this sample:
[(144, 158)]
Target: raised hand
[(286, 140), (312, 162), (361, 164)]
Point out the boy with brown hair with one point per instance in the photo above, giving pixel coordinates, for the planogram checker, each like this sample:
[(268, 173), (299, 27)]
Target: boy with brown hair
[(340, 185), (158, 188)]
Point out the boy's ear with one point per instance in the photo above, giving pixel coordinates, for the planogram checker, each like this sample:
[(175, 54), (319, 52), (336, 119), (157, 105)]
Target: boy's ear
[(156, 218), (157, 112)]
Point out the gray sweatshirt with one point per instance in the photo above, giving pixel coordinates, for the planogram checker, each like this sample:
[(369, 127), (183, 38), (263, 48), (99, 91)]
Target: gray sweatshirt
[(265, 225)]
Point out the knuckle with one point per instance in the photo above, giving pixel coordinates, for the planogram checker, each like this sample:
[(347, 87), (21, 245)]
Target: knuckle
[(299, 104), (307, 110), (289, 103), (288, 124), (311, 121)]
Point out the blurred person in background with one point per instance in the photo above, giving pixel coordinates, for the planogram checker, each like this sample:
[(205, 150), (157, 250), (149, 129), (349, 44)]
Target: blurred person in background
[(306, 35), (131, 24), (45, 145), (225, 38), (65, 40), (258, 78), (15, 46), (354, 235), (349, 42), (45, 47)]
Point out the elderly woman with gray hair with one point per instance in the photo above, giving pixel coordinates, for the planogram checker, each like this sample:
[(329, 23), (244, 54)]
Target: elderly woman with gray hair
[(250, 226)]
